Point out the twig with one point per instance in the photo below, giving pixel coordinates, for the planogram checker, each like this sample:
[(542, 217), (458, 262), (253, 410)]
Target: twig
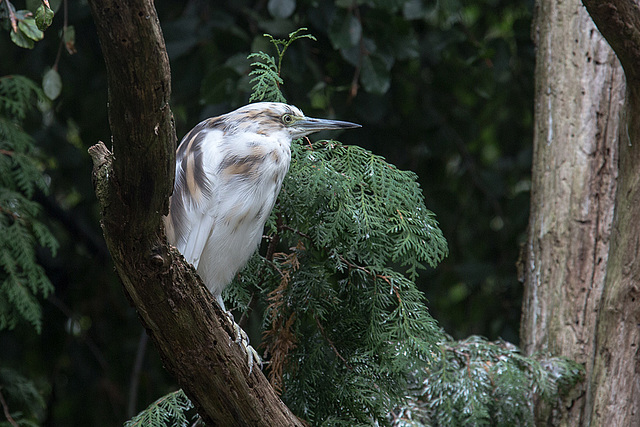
[(335, 350), (5, 408), (64, 33), (275, 239), (298, 232), (14, 215), (135, 374), (12, 17)]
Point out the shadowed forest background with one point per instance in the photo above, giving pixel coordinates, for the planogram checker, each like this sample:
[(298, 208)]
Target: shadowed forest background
[(444, 90)]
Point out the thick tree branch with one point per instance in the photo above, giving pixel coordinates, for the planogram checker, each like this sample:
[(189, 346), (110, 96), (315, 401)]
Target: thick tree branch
[(192, 335), (619, 23), (613, 395)]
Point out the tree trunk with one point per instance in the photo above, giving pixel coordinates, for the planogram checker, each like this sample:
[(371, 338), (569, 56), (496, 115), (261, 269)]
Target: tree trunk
[(192, 335), (581, 281), (614, 389)]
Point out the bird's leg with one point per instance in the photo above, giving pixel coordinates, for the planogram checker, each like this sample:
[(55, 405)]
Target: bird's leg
[(242, 339)]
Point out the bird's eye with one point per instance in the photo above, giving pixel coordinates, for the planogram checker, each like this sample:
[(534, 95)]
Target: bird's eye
[(287, 119)]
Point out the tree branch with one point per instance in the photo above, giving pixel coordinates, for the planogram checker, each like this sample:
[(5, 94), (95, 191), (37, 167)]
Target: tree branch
[(5, 410), (619, 23), (613, 393), (190, 331)]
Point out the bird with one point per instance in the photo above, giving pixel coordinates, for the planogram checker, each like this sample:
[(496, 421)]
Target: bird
[(229, 171)]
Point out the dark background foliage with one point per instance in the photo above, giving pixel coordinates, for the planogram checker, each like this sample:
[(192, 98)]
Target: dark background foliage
[(441, 88)]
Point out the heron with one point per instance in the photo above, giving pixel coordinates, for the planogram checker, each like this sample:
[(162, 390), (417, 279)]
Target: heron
[(229, 171)]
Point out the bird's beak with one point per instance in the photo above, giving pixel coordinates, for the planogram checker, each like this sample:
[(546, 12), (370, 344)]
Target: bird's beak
[(309, 125)]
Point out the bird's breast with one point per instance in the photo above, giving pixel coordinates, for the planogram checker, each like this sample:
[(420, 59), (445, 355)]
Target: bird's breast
[(256, 161), (250, 178)]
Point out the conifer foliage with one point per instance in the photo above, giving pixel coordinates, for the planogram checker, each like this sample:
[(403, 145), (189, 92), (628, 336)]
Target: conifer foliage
[(346, 324), (169, 410), (21, 278), (474, 382), (266, 72)]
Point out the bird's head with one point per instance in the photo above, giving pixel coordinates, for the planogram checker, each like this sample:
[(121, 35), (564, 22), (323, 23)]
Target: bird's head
[(275, 117)]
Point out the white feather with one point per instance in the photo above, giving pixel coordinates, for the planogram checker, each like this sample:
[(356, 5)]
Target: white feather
[(229, 171)]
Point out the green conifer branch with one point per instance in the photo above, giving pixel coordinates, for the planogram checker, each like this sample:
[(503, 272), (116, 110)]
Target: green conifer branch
[(476, 382), (267, 74), (20, 399), (21, 278), (169, 410)]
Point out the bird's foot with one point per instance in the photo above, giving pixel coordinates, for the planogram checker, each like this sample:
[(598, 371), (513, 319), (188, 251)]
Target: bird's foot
[(242, 339)]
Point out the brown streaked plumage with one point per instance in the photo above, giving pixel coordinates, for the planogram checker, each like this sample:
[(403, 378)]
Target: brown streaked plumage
[(229, 170)]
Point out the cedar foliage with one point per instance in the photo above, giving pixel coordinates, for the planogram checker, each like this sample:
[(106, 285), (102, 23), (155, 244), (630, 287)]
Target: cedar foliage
[(22, 279), (171, 409), (266, 72), (21, 397)]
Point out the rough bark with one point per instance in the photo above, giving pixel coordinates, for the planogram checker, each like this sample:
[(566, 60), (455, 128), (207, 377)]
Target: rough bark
[(578, 99), (613, 395), (581, 272), (192, 335)]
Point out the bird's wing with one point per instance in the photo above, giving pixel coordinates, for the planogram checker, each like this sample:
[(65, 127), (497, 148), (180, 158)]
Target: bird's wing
[(194, 203)]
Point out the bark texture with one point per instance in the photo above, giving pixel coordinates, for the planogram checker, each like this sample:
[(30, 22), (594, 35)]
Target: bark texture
[(581, 284), (578, 96), (192, 335), (613, 396)]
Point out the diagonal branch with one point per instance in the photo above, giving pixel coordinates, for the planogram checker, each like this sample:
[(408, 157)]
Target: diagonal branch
[(5, 410), (619, 23), (133, 183)]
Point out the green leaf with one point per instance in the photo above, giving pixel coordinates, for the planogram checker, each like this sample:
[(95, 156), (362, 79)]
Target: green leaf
[(345, 3), (375, 76), (69, 38), (52, 84), (30, 29), (219, 86), (43, 17), (345, 31), (22, 14), (281, 8), (413, 9), (69, 35), (20, 39)]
